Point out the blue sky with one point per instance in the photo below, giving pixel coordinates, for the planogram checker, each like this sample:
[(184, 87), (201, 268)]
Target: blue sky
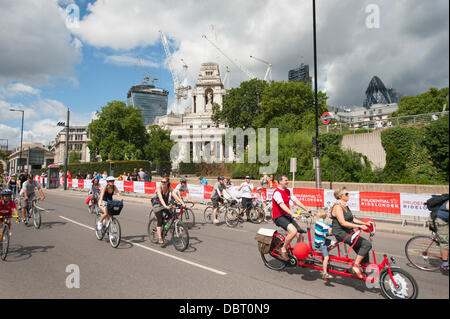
[(47, 65)]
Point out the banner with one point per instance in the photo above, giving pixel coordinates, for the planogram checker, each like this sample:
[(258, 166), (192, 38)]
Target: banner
[(139, 187), (87, 184), (207, 190), (353, 202), (81, 183), (69, 182), (128, 186), (310, 197), (119, 185), (196, 191), (414, 205), (149, 187), (379, 202)]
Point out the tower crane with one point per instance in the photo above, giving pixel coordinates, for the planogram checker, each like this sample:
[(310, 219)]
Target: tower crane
[(180, 91), (237, 64), (226, 79), (269, 68)]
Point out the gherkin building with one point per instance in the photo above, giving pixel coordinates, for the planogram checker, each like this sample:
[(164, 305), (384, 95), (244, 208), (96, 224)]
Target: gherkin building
[(376, 93)]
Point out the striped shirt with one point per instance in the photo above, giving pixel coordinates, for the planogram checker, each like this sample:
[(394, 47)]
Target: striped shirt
[(320, 232)]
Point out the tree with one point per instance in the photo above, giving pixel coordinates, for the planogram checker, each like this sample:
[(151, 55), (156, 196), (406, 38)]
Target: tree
[(3, 155), (436, 141), (240, 105), (74, 157), (118, 133), (431, 101), (159, 146)]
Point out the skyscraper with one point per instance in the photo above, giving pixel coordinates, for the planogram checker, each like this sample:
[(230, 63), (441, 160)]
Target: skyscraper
[(377, 93), (300, 74), (151, 100)]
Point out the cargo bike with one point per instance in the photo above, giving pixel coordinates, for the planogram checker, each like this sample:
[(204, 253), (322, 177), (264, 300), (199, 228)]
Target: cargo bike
[(394, 282)]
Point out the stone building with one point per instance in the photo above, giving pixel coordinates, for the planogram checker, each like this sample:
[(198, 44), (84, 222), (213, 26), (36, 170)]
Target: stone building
[(78, 138), (198, 136), (34, 157)]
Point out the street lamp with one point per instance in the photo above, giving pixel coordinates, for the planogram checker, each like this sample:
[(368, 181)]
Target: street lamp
[(21, 137), (316, 144), (66, 124)]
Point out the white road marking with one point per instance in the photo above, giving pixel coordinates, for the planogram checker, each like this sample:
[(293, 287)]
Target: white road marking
[(157, 251)]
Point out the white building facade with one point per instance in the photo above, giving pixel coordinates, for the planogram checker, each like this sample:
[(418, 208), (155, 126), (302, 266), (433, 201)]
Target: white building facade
[(198, 136), (78, 138)]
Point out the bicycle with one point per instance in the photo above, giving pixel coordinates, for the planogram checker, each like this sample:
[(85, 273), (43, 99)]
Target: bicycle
[(171, 223), (94, 208), (424, 253), (5, 235), (395, 283), (33, 212), (261, 212), (229, 210), (112, 226), (186, 215)]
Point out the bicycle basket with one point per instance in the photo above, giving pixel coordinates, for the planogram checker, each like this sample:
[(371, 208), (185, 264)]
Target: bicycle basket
[(114, 207), (264, 238)]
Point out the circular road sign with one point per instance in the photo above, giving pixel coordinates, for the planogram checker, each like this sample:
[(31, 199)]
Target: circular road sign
[(326, 118)]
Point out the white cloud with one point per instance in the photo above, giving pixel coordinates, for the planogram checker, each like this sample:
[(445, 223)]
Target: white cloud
[(409, 53), (36, 44), (127, 60), (17, 89)]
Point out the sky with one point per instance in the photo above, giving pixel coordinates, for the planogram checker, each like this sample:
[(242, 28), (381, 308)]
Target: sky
[(60, 54)]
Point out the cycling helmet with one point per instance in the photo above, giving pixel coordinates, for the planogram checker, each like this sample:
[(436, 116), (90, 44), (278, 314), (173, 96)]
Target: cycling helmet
[(247, 177), (183, 180), (220, 178), (110, 178), (6, 192)]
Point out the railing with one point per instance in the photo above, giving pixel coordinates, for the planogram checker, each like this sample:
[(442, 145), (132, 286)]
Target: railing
[(379, 124)]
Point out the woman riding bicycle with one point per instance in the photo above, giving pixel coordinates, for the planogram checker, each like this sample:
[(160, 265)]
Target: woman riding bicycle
[(343, 225), (94, 192), (164, 197), (12, 184), (106, 195)]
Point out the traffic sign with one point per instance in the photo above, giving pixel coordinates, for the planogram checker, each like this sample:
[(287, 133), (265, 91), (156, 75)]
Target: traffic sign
[(326, 118)]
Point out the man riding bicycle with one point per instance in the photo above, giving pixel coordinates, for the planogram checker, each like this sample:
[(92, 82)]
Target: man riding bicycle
[(282, 215), (246, 190), (217, 196), (180, 189), (27, 195)]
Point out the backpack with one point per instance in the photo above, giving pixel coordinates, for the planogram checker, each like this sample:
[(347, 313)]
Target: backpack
[(433, 204)]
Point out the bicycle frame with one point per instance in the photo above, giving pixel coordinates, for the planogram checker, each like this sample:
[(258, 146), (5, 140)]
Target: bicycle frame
[(315, 259)]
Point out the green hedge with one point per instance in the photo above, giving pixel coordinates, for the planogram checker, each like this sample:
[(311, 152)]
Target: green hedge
[(100, 167)]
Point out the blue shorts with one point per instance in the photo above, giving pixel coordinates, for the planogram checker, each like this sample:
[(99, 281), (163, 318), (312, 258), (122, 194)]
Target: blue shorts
[(323, 248)]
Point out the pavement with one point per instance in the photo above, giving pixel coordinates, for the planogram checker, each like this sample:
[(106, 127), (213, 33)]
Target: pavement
[(220, 262), (411, 226)]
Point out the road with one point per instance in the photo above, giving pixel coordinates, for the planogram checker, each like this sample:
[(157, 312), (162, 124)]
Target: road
[(220, 263)]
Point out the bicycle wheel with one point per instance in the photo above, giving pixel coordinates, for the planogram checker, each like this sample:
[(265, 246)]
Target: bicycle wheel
[(36, 218), (114, 232), (208, 214), (98, 233), (424, 253), (151, 230), (271, 261), (256, 215), (232, 217), (407, 286), (180, 236), (188, 218), (4, 242)]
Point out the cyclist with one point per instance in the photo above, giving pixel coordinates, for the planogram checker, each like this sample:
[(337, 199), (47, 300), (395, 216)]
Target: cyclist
[(217, 197), (163, 197), (12, 184), (282, 215), (27, 194), (106, 195), (246, 190), (94, 192), (181, 188), (7, 206), (23, 178), (442, 233)]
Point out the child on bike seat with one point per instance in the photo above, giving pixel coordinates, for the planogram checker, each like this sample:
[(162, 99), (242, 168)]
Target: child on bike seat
[(321, 231)]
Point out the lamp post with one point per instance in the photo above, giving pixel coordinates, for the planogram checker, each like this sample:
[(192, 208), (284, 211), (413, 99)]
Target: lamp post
[(21, 138), (316, 144), (66, 148)]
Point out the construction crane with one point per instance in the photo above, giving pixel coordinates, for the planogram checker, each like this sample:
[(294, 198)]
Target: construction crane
[(269, 68), (226, 79), (237, 64), (180, 91)]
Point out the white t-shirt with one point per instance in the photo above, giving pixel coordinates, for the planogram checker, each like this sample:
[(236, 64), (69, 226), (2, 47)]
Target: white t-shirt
[(279, 199), (181, 189), (29, 187), (245, 192)]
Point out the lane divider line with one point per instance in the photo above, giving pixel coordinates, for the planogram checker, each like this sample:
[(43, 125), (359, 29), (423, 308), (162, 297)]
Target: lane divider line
[(157, 251)]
